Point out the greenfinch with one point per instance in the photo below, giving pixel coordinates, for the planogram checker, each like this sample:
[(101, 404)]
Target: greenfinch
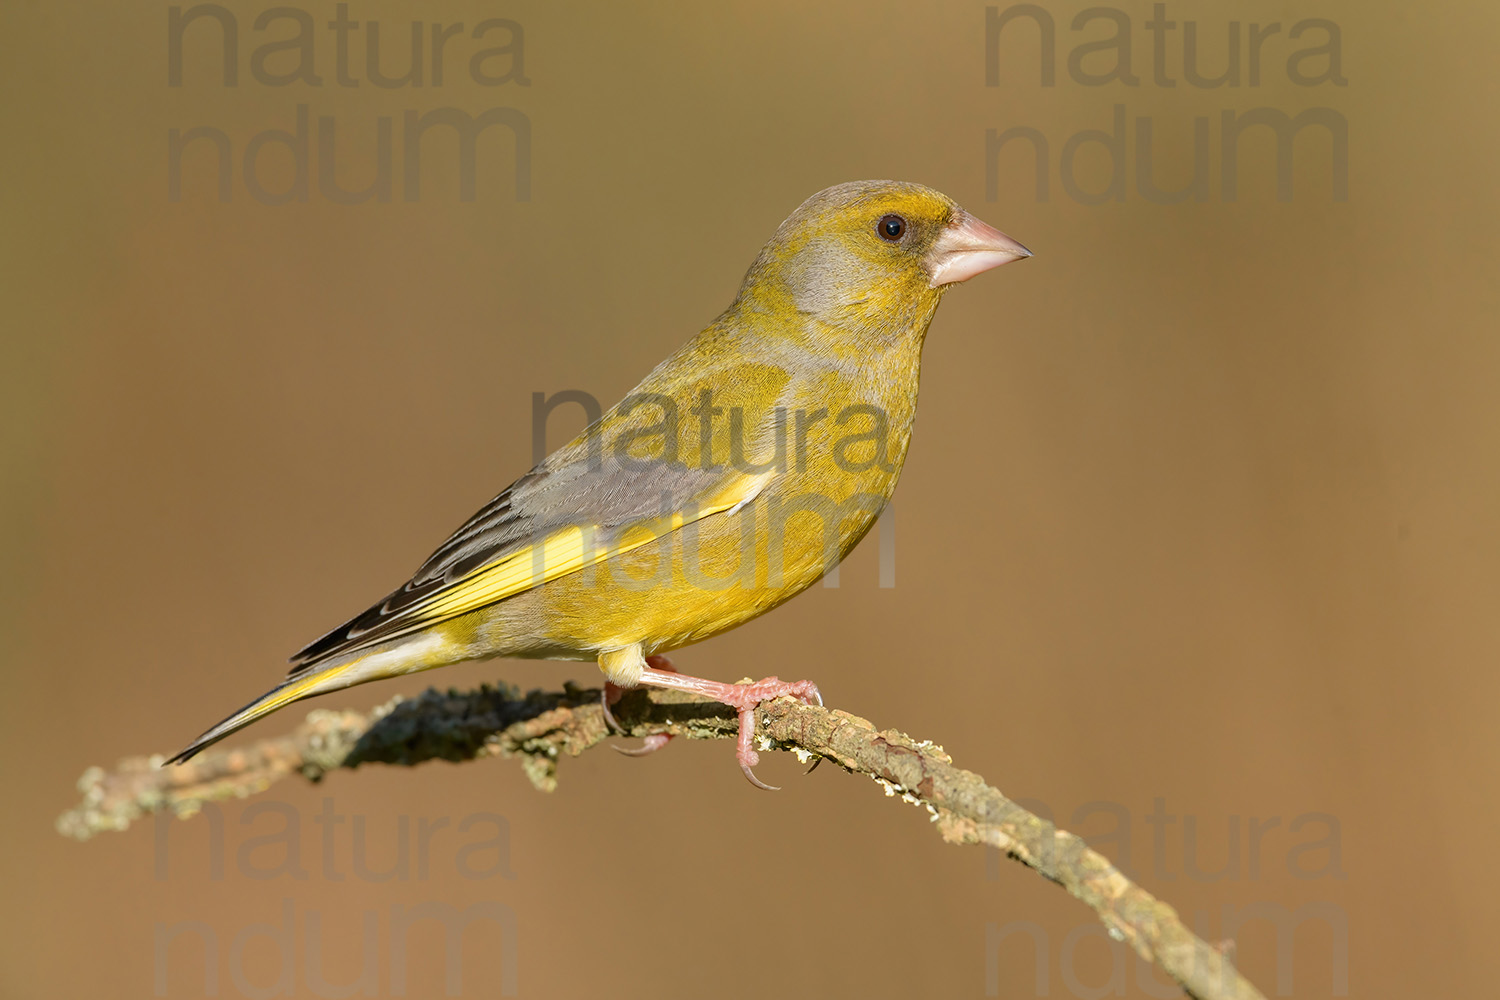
[(733, 477)]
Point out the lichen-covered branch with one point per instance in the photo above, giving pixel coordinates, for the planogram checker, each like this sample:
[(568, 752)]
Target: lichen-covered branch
[(542, 727)]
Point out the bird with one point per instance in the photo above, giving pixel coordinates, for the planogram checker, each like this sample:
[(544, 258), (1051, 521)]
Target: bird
[(737, 473)]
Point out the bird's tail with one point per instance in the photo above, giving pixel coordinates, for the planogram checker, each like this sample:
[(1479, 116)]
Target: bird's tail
[(302, 685)]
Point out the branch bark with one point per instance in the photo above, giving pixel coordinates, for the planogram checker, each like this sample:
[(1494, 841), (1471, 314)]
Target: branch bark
[(540, 728)]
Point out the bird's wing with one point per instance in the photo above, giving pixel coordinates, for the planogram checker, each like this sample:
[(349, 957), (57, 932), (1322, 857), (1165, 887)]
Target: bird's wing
[(616, 487)]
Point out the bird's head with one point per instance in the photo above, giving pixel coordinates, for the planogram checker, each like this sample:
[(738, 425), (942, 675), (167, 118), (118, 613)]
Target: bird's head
[(873, 258)]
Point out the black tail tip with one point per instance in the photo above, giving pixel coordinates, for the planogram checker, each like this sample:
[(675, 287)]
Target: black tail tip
[(189, 752)]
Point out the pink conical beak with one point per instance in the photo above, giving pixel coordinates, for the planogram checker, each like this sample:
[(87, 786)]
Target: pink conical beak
[(967, 247)]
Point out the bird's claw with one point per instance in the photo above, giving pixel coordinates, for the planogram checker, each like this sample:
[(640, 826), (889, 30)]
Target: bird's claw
[(608, 697), (649, 744), (750, 776)]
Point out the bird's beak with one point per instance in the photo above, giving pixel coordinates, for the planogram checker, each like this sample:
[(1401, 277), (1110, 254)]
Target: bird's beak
[(967, 247)]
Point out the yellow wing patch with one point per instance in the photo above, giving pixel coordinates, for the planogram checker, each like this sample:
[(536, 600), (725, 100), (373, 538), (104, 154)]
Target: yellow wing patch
[(569, 550)]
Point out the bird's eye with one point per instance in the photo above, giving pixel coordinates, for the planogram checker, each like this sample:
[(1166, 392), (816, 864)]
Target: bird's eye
[(891, 228)]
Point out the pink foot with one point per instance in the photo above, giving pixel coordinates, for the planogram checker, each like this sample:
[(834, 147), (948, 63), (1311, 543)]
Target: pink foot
[(742, 698), (613, 692)]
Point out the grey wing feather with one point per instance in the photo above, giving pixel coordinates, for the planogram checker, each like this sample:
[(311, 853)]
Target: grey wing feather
[(572, 487)]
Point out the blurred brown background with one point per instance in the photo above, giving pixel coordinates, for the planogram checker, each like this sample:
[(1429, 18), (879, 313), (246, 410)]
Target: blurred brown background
[(1201, 506)]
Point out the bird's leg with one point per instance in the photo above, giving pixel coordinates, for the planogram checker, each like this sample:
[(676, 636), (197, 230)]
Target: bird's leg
[(742, 698), (612, 693)]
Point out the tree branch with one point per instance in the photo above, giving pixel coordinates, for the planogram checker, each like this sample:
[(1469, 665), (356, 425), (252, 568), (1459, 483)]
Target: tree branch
[(541, 727)]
